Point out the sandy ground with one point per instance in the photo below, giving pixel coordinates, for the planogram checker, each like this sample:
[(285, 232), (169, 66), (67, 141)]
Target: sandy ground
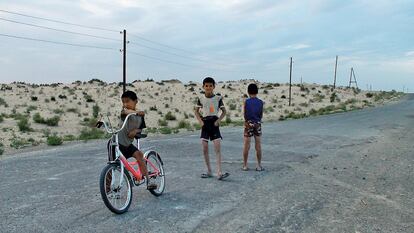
[(73, 104)]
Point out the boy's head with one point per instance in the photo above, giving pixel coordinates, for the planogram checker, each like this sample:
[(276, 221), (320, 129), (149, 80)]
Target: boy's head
[(129, 100), (208, 85), (252, 89)]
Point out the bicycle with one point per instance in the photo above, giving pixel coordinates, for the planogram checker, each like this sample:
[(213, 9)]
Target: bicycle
[(119, 175)]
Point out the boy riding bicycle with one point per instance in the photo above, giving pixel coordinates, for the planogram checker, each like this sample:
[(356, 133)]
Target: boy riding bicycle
[(132, 128)]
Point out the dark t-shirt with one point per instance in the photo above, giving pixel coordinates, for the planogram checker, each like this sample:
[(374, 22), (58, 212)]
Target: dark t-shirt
[(253, 110)]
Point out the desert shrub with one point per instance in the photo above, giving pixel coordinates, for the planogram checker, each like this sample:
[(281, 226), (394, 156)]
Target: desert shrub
[(58, 111), (165, 130), (48, 121), (170, 117), (24, 125), (184, 124), (153, 108), (1, 118), (283, 97), (304, 104), (3, 102), (1, 148), (351, 101), (95, 111), (31, 108), (54, 140), (33, 98), (265, 91), (17, 143), (197, 126), (69, 137), (333, 97), (54, 121), (52, 98), (166, 105), (185, 116), (74, 110), (313, 112), (91, 133), (369, 95), (232, 106), (62, 96), (162, 122), (318, 97)]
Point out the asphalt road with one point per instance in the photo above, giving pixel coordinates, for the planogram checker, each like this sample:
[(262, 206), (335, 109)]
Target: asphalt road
[(347, 172)]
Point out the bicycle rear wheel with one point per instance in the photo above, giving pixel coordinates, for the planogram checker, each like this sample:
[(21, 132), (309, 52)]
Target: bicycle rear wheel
[(116, 196), (156, 173)]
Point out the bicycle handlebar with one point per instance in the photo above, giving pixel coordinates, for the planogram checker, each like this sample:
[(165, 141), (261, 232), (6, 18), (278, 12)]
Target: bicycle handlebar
[(110, 130)]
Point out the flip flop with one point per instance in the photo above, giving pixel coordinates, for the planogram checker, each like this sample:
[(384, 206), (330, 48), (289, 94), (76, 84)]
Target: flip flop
[(206, 175), (260, 169), (222, 176), (245, 168)]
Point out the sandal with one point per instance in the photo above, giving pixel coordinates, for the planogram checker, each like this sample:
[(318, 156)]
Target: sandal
[(245, 168), (206, 175), (222, 176), (260, 169)]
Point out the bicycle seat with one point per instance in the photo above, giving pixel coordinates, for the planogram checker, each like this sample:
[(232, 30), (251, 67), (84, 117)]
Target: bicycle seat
[(140, 135)]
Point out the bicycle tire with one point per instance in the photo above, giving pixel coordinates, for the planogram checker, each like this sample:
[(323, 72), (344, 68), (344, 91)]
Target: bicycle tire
[(160, 178), (110, 194)]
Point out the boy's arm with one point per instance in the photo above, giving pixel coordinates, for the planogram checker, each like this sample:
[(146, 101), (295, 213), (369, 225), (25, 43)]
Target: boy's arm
[(126, 111), (197, 112), (244, 110), (223, 113), (198, 116)]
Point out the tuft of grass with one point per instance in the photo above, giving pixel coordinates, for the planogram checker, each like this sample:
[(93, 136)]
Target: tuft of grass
[(54, 121), (183, 124), (165, 130), (91, 133), (162, 122), (1, 148), (54, 140)]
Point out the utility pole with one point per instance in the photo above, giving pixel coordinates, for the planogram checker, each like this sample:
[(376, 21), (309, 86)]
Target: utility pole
[(336, 65), (290, 82), (124, 61)]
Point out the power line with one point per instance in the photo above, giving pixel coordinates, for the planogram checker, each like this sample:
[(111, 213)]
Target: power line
[(62, 22), (57, 42), (174, 54), (160, 44), (96, 28), (59, 30)]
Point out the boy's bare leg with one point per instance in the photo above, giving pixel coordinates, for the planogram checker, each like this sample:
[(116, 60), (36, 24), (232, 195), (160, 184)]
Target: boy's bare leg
[(246, 148), (141, 163), (258, 147), (217, 149), (204, 144)]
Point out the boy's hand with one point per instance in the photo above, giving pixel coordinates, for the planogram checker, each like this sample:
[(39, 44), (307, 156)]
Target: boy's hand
[(141, 113), (217, 122)]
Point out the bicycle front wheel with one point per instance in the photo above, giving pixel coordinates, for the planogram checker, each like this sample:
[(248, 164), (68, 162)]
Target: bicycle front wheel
[(156, 173), (116, 195)]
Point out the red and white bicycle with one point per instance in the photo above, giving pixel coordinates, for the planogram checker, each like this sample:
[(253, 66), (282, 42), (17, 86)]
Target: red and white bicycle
[(120, 175)]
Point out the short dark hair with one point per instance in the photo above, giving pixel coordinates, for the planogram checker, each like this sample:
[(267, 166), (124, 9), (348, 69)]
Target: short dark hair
[(130, 95), (252, 89), (209, 80)]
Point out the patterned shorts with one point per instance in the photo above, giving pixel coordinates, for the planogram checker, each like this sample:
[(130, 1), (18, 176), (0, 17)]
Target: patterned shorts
[(252, 129)]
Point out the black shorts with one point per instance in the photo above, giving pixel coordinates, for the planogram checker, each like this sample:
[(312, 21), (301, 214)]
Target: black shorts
[(128, 151), (209, 131)]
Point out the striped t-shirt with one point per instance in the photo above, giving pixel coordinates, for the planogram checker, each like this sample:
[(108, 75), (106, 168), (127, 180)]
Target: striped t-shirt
[(210, 105)]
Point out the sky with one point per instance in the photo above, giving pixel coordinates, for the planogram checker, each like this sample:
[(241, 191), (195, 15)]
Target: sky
[(228, 40)]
